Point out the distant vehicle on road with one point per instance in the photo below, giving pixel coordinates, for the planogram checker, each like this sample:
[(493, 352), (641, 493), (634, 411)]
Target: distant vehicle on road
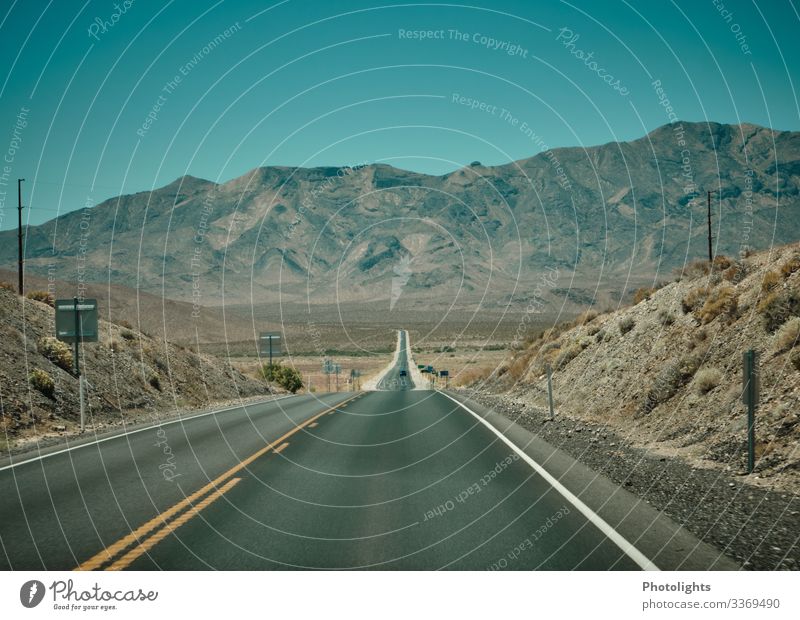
[(403, 372)]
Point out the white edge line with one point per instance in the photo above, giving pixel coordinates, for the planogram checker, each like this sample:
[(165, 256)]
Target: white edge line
[(612, 534), (140, 430)]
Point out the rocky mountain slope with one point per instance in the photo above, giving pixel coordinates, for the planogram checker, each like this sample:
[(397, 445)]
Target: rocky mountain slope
[(133, 377), (665, 374), (607, 217)]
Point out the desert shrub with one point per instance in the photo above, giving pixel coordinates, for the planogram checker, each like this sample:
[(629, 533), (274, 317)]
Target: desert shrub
[(469, 376), (42, 296), (127, 334), (592, 330), (587, 316), (161, 364), (777, 307), (665, 317), (669, 379), (626, 324), (643, 293), (519, 366), (154, 381), (722, 300), (788, 335), (43, 382), (285, 376), (694, 299), (697, 268), (600, 335), (125, 324), (567, 355), (794, 358), (56, 351), (721, 263), (770, 281), (7, 286), (550, 346), (735, 272), (790, 266), (707, 379)]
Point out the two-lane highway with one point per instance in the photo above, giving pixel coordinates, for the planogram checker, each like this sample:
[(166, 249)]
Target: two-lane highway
[(399, 375), (389, 479)]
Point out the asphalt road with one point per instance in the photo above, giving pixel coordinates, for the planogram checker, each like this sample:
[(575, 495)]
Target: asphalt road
[(392, 380), (392, 479)]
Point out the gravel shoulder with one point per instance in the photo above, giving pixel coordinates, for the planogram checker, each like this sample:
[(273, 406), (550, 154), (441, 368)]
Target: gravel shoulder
[(756, 526)]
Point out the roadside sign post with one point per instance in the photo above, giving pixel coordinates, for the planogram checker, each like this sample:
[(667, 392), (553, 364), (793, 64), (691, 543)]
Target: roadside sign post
[(76, 322), (550, 391), (327, 369), (750, 397), (445, 374), (267, 348)]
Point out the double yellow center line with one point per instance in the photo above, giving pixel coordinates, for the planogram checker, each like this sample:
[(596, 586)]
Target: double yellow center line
[(165, 523)]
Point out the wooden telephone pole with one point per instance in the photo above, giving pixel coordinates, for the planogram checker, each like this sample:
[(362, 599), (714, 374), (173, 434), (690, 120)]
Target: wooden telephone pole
[(710, 249), (19, 238)]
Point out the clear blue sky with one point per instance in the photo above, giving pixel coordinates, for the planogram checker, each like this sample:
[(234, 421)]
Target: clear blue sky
[(333, 83)]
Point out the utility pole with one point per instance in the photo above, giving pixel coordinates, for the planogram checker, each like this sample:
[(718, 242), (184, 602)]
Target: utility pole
[(710, 250), (19, 209)]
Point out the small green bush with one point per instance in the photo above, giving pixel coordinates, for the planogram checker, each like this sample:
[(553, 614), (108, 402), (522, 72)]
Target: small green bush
[(57, 352), (127, 334), (626, 324), (43, 382), (285, 376), (42, 296)]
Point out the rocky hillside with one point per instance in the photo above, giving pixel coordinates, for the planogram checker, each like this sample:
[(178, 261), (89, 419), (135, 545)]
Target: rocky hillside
[(666, 373), (607, 217), (133, 377)]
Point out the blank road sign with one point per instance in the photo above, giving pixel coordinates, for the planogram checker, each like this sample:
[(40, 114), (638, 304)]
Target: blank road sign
[(267, 338), (65, 319)]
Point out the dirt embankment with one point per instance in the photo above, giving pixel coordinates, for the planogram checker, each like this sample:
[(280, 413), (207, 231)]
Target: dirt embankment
[(132, 377), (666, 373)]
